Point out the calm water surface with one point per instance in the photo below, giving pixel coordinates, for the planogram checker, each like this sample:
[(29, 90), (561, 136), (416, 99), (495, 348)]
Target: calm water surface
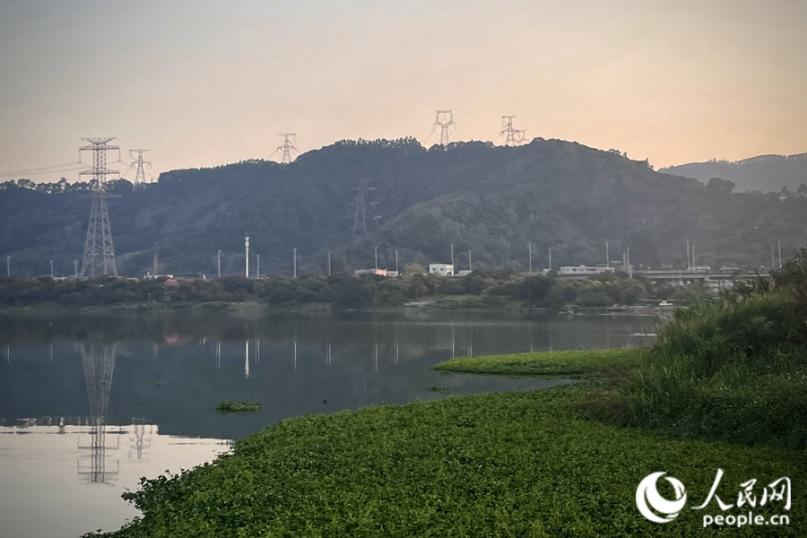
[(88, 404)]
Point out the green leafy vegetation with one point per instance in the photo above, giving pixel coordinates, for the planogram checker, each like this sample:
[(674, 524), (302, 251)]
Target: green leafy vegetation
[(566, 362), (228, 406), (512, 464)]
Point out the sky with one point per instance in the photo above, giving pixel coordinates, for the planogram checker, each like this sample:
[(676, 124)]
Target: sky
[(203, 82)]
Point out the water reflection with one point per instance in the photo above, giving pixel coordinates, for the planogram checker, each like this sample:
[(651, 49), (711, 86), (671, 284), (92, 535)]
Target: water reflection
[(98, 363), (109, 399)]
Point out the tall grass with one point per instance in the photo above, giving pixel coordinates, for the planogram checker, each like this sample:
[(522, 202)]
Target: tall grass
[(735, 370)]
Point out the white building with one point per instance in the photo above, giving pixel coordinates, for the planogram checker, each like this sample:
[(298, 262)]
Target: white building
[(441, 269), (584, 270)]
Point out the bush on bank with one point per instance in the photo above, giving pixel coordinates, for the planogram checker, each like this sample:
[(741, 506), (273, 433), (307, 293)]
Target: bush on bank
[(734, 370)]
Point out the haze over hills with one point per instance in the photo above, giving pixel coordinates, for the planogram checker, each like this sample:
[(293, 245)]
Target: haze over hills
[(353, 195), (766, 173)]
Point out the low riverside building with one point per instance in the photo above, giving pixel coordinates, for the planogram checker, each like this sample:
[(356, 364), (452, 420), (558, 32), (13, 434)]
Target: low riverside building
[(441, 269), (375, 272)]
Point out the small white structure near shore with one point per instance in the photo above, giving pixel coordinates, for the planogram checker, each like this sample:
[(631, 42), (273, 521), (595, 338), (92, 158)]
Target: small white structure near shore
[(441, 269)]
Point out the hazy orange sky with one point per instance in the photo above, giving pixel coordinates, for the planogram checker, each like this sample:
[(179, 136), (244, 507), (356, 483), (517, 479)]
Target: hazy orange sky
[(208, 82)]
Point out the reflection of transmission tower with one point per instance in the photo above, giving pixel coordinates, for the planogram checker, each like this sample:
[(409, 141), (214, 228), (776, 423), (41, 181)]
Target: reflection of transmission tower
[(98, 362), (139, 440), (444, 119), (288, 146), (140, 166), (512, 136), (99, 253)]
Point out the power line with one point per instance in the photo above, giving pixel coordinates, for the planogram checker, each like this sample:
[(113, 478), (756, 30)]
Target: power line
[(66, 167)]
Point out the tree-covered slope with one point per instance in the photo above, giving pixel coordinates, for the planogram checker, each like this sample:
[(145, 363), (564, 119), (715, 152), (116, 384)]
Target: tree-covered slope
[(492, 200), (766, 173)]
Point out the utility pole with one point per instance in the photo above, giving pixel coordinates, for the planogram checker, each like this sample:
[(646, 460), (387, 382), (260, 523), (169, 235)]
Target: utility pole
[(155, 267), (779, 246), (396, 263), (140, 166), (99, 252), (257, 266), (512, 136), (246, 256), (287, 147), (689, 259), (329, 263), (627, 258), (550, 259), (607, 255), (470, 268), (444, 119), (452, 254), (294, 262), (218, 263), (51, 270), (375, 255), (529, 250)]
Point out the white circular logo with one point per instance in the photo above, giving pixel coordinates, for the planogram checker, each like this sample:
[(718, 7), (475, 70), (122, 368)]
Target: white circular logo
[(652, 505)]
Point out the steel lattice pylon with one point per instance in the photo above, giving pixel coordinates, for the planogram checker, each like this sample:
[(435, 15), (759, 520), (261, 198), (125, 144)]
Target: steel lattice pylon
[(140, 165), (444, 119), (99, 252)]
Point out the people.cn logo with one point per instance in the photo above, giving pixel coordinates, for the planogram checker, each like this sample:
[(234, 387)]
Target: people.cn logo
[(652, 505)]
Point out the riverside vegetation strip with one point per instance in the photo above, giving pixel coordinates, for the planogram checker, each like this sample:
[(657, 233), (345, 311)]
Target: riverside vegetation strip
[(560, 462), (567, 362)]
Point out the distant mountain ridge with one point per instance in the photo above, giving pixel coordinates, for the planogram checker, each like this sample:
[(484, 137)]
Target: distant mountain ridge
[(766, 173), (353, 196)]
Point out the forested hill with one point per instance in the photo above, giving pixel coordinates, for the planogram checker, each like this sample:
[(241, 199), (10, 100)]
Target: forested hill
[(766, 173), (493, 200)]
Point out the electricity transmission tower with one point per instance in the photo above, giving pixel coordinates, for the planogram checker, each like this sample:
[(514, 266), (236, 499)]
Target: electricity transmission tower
[(99, 253), (444, 119), (512, 136), (361, 206), (288, 146), (360, 212), (140, 166)]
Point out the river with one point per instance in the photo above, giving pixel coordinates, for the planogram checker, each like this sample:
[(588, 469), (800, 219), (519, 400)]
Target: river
[(91, 403)]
